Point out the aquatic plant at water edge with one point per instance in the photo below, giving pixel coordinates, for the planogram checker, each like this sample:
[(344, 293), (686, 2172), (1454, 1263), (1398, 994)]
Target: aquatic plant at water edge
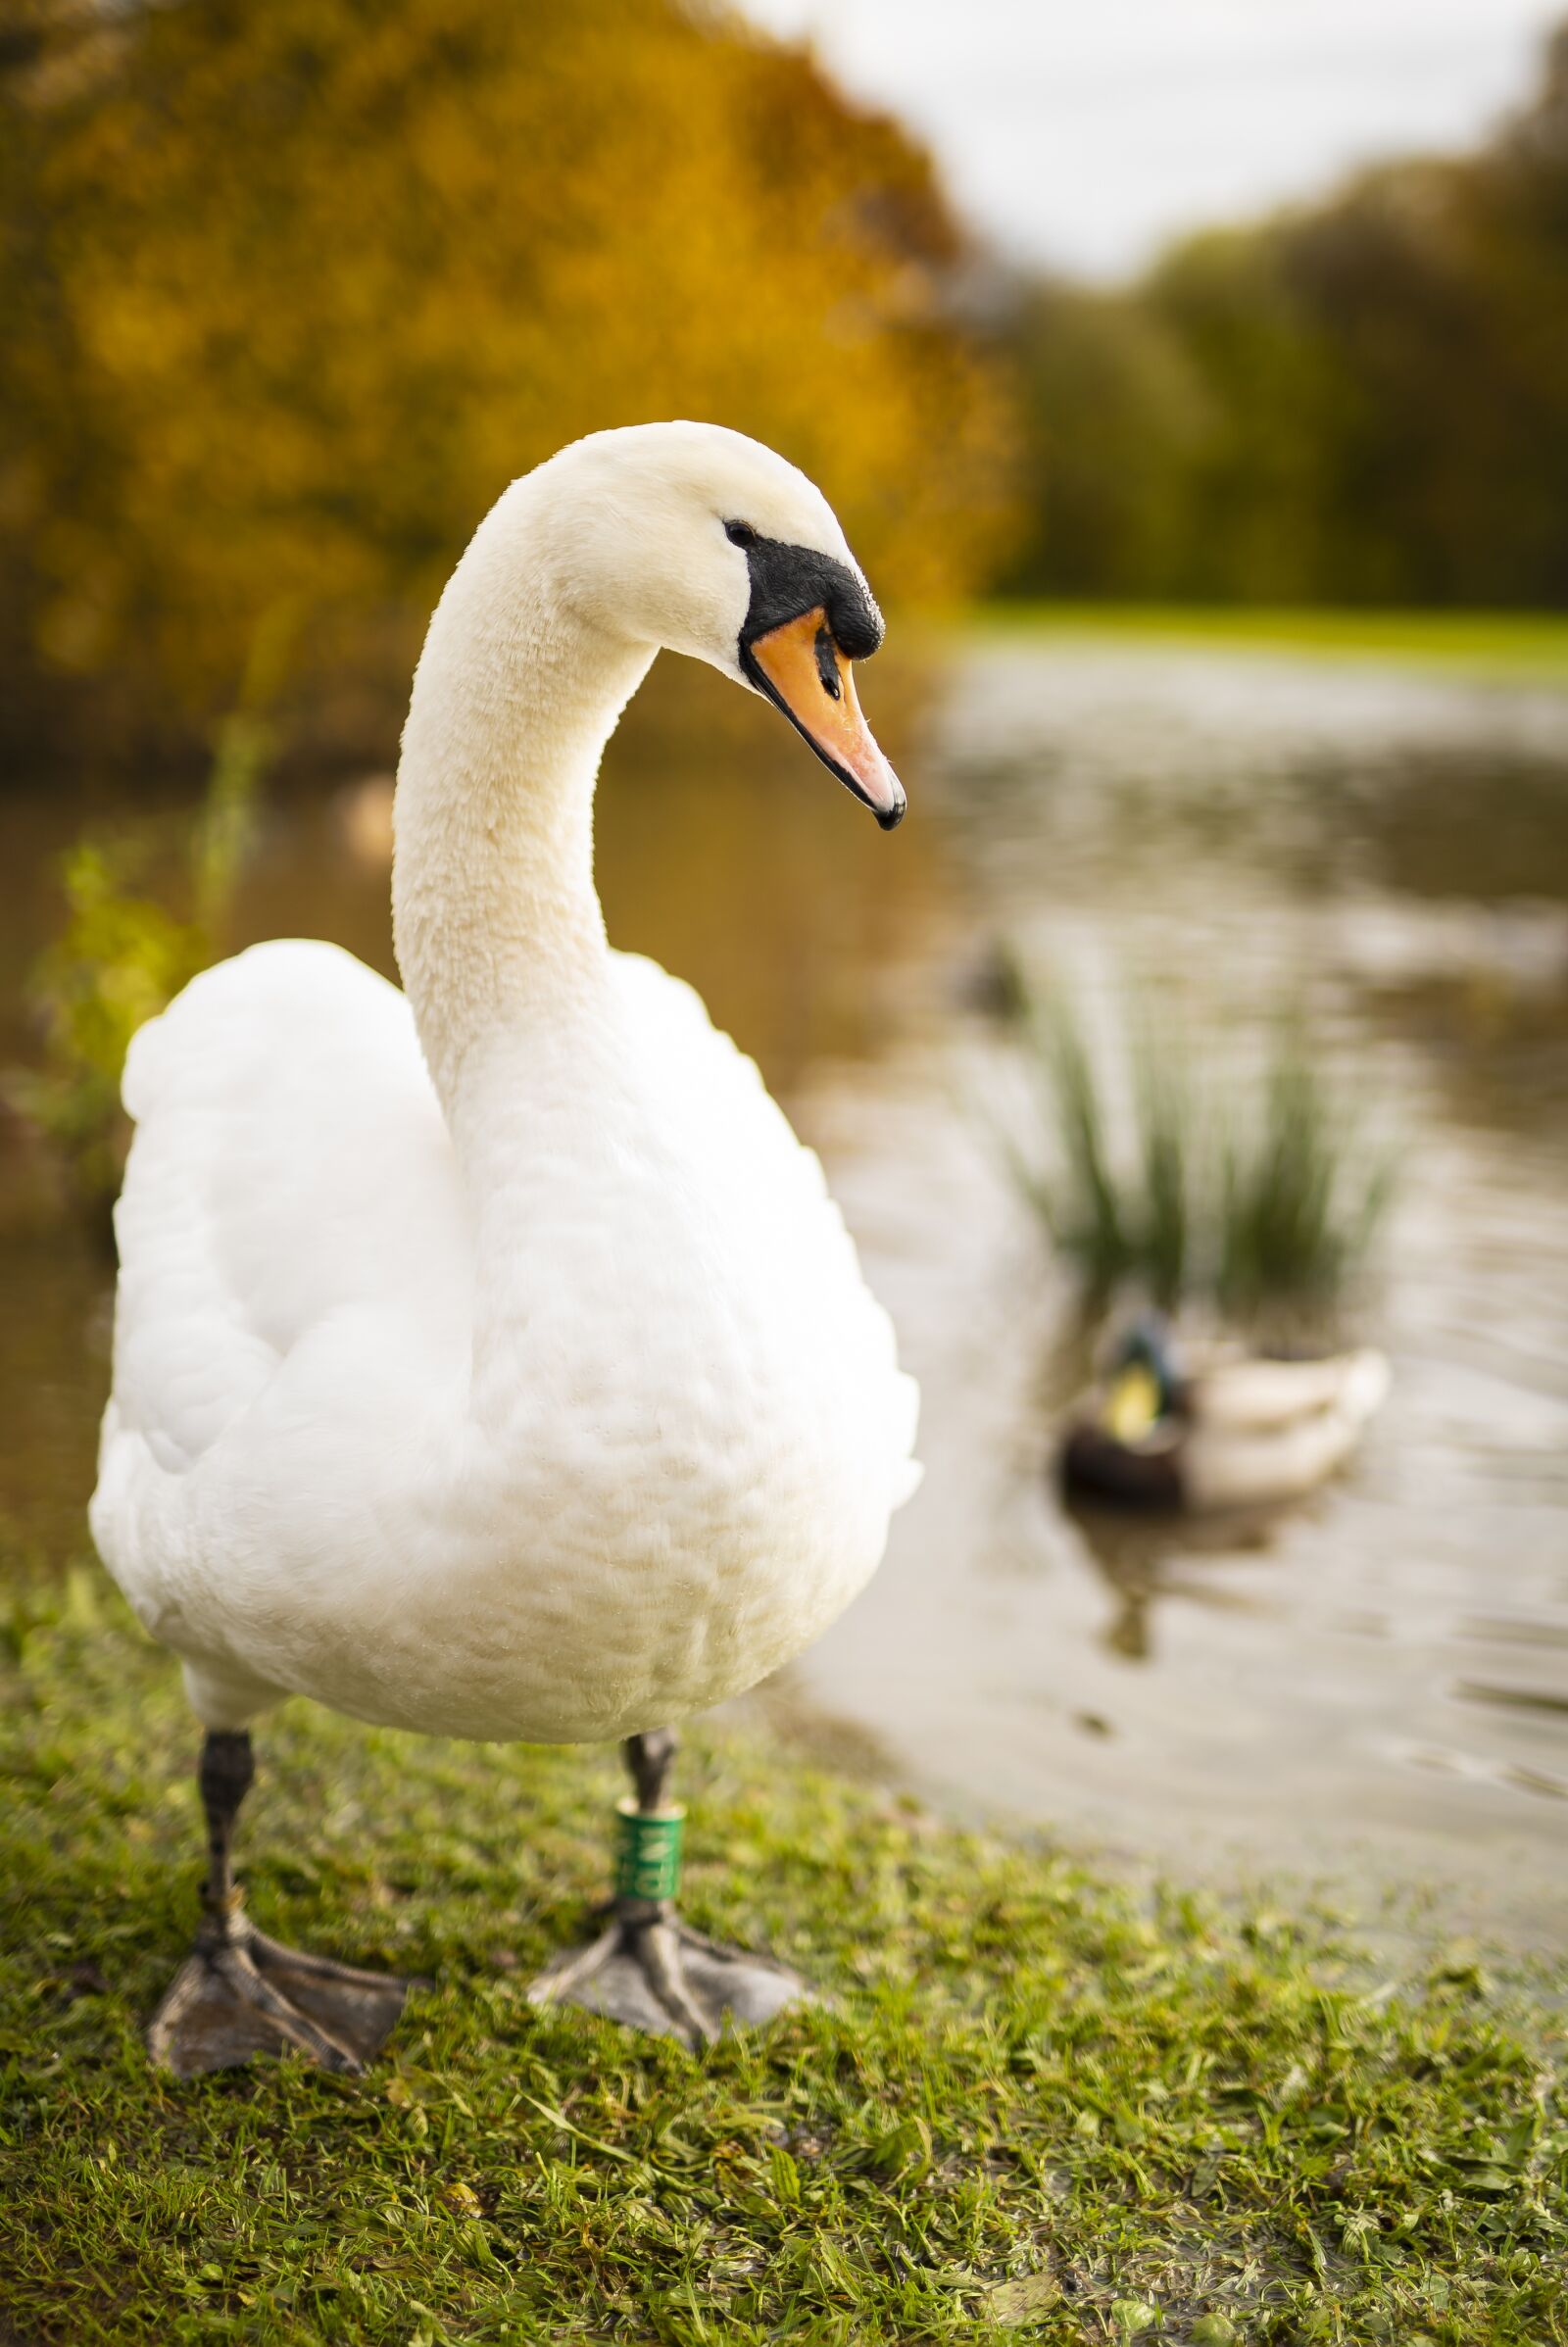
[(1263, 1197), (119, 959), (139, 925), (1297, 1205)]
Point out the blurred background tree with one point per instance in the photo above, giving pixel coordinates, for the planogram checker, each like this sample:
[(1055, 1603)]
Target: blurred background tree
[(1361, 401), (292, 292)]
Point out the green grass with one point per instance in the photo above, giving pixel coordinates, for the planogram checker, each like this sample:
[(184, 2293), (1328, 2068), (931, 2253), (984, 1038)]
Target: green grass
[(1508, 646), (1042, 2107)]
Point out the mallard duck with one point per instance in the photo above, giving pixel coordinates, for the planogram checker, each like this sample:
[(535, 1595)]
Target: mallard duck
[(490, 1359), (1215, 1426)]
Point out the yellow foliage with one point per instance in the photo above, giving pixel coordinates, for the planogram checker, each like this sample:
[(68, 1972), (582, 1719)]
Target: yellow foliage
[(291, 291)]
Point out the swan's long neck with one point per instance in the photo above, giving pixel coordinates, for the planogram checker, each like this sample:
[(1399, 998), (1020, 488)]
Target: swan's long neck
[(495, 914)]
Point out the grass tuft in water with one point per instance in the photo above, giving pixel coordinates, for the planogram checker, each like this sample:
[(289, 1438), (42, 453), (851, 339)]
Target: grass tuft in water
[(1166, 1120), (1299, 1203), (1259, 1195), (1040, 2107), (1082, 1200)]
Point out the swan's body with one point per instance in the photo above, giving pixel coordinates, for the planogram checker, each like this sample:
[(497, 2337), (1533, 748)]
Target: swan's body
[(491, 1360), (588, 1459)]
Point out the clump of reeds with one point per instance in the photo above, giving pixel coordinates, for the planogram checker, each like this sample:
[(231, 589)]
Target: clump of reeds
[(140, 922), (1302, 1196), (1260, 1195)]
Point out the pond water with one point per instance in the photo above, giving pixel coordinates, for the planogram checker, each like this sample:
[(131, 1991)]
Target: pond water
[(1373, 1684)]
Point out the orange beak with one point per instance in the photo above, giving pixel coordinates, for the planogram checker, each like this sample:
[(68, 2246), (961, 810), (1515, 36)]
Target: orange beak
[(801, 667)]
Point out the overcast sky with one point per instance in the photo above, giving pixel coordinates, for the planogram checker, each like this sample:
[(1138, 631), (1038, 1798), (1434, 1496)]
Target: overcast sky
[(1088, 132)]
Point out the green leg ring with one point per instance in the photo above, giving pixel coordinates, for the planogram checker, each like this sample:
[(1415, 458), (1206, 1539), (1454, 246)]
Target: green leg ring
[(647, 1850)]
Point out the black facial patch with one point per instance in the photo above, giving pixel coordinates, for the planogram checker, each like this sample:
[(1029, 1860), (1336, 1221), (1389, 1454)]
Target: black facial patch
[(787, 581)]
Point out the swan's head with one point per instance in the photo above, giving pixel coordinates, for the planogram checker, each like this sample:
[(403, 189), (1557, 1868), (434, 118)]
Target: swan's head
[(697, 539)]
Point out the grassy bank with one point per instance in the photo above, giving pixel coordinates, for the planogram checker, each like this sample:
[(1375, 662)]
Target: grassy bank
[(1040, 2108), (1502, 646)]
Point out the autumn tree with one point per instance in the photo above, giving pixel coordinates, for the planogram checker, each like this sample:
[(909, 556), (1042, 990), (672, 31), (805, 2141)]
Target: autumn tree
[(292, 291)]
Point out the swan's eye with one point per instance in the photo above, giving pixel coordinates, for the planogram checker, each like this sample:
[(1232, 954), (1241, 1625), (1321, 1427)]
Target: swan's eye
[(740, 533)]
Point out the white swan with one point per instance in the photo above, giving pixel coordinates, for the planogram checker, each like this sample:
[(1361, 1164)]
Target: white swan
[(489, 1359)]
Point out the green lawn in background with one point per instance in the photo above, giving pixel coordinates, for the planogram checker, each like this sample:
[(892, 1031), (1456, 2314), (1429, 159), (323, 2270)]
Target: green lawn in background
[(1042, 2107), (1506, 646)]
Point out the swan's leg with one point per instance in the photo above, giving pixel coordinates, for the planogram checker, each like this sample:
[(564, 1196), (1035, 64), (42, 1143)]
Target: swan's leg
[(239, 1993), (648, 1967)]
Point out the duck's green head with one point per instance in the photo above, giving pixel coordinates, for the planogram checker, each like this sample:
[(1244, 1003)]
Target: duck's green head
[(1143, 1370)]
